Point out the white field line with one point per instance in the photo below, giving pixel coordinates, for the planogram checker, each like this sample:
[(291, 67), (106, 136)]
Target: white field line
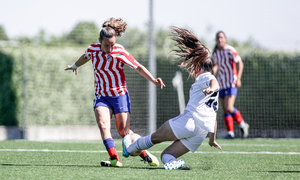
[(198, 152)]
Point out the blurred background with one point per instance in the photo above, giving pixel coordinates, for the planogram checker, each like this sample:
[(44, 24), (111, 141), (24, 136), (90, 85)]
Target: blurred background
[(38, 39)]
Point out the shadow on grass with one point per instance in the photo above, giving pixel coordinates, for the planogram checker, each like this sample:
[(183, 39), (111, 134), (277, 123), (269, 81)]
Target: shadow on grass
[(283, 171), (59, 165), (88, 166), (150, 168)]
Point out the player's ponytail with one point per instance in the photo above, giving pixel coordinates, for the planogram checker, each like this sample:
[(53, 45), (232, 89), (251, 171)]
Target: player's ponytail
[(193, 55), (113, 27)]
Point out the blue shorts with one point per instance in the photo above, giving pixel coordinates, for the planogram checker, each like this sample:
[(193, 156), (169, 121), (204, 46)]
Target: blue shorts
[(228, 92), (117, 103)]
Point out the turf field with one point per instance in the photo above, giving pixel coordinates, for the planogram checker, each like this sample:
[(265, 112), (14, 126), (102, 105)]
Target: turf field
[(239, 159)]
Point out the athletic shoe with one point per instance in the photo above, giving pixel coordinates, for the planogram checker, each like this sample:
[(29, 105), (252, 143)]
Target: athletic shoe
[(150, 159), (174, 165), (126, 142), (112, 162), (228, 136), (245, 130)]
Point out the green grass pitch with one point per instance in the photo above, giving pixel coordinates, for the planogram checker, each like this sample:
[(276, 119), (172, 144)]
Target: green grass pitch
[(239, 159)]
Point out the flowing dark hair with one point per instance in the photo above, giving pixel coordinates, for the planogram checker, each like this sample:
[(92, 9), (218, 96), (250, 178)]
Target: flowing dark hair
[(113, 27), (192, 54)]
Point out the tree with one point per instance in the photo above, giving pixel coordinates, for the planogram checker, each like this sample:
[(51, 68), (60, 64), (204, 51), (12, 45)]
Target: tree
[(3, 35), (84, 33)]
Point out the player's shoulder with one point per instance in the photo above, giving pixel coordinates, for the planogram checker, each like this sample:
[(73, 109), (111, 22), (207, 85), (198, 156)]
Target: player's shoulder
[(229, 48), (94, 47), (205, 77), (118, 47)]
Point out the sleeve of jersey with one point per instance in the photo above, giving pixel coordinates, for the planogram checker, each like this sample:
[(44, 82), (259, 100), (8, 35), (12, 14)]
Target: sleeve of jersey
[(87, 54), (236, 56), (126, 58)]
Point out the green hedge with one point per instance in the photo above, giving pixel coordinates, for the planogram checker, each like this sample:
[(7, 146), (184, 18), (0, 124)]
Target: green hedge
[(8, 97), (268, 100)]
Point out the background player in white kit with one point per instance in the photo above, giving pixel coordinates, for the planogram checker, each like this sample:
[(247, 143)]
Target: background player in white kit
[(189, 129)]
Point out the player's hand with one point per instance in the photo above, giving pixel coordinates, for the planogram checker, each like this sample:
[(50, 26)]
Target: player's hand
[(160, 82), (207, 91), (238, 83), (70, 68), (215, 144)]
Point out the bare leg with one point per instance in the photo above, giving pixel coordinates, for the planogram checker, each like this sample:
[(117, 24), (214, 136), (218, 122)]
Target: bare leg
[(164, 133), (176, 149), (103, 118), (123, 123)]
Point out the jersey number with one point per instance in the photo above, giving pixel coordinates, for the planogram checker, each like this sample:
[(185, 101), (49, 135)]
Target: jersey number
[(212, 102)]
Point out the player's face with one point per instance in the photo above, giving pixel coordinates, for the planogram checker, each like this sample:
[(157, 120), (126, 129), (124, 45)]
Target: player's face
[(107, 44), (221, 40)]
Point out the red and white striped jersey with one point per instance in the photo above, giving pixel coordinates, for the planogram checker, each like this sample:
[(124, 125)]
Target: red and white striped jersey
[(226, 60), (108, 69)]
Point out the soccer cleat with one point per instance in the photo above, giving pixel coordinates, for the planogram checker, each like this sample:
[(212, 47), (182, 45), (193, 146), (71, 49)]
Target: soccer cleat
[(174, 165), (245, 131), (150, 159), (228, 136), (126, 142), (112, 162)]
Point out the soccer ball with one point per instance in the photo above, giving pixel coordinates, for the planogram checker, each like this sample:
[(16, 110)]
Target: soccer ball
[(133, 138)]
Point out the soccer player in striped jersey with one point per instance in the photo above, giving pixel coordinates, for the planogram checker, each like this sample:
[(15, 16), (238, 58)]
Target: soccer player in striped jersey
[(225, 58), (111, 93), (189, 129)]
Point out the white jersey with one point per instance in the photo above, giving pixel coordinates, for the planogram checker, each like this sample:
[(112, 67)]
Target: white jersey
[(203, 107)]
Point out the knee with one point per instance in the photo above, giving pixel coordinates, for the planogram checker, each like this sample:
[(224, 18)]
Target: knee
[(123, 132), (103, 126), (155, 138), (229, 109)]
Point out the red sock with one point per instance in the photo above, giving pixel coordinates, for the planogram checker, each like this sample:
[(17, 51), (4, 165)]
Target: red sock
[(143, 154), (237, 116), (229, 123), (113, 153)]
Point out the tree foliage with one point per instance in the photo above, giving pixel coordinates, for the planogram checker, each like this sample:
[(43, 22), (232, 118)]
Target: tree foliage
[(3, 35), (84, 33)]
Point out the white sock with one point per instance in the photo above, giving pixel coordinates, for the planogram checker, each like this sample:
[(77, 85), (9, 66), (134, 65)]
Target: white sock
[(167, 158), (140, 144), (242, 124), (231, 133)]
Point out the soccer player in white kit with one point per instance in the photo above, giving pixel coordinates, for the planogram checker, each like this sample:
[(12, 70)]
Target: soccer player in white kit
[(189, 129)]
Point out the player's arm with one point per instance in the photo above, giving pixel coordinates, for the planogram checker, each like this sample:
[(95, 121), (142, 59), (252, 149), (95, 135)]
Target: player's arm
[(239, 73), (213, 86), (81, 61), (212, 138), (215, 69), (144, 72)]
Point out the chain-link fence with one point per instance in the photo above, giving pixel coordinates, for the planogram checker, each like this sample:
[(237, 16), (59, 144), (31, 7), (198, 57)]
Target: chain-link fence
[(268, 100)]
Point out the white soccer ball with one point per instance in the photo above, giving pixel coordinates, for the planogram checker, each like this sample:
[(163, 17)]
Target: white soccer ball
[(133, 138)]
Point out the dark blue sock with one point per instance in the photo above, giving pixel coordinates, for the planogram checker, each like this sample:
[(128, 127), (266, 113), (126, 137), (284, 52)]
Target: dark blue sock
[(234, 111), (108, 143)]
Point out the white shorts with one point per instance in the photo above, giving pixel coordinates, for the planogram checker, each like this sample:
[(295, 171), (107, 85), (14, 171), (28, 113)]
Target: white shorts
[(187, 131)]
